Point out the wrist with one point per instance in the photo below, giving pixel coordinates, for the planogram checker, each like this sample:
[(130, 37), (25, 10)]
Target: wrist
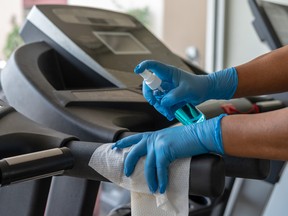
[(224, 83), (210, 134), (218, 135)]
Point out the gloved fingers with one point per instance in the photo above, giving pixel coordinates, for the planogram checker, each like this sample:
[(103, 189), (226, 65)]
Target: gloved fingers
[(148, 94), (150, 168), (163, 71), (151, 178), (173, 97), (162, 175), (128, 141), (165, 111), (162, 164), (133, 156)]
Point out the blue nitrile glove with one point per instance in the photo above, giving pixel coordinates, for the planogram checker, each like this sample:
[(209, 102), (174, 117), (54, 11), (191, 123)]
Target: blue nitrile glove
[(188, 88), (164, 146)]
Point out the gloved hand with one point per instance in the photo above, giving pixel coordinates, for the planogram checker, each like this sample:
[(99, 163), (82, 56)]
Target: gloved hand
[(188, 88), (164, 146)]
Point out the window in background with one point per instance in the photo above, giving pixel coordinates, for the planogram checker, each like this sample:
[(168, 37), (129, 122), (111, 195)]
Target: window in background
[(13, 39), (13, 14), (11, 19)]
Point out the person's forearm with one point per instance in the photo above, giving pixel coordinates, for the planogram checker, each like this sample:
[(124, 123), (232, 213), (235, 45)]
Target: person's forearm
[(262, 135), (264, 75)]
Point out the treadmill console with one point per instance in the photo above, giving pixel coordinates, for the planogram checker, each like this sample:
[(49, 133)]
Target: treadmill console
[(108, 43)]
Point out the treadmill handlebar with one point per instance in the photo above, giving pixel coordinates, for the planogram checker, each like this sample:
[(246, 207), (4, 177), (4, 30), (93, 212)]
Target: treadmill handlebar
[(20, 136), (207, 172), (35, 165)]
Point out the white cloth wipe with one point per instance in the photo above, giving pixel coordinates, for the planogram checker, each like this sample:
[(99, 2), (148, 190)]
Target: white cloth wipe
[(109, 163)]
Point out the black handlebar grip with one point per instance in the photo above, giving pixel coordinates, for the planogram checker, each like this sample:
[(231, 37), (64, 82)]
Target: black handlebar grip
[(246, 167), (35, 165), (207, 175)]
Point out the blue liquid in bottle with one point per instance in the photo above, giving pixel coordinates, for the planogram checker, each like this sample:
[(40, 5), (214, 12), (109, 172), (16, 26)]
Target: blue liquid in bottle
[(187, 113)]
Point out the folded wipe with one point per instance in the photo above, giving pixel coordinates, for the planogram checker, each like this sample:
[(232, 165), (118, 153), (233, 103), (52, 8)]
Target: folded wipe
[(109, 163)]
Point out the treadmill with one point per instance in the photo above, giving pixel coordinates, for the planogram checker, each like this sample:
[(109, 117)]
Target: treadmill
[(75, 75)]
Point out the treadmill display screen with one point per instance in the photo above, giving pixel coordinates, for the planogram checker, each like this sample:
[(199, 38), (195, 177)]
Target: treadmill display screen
[(121, 43)]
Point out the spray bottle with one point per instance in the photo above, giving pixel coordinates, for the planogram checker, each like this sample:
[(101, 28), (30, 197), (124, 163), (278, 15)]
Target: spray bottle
[(187, 114)]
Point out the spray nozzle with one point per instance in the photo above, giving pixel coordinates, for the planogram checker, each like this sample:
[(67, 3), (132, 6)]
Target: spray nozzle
[(151, 79)]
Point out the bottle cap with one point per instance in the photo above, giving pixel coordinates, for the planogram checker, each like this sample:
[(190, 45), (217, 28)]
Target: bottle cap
[(151, 79)]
